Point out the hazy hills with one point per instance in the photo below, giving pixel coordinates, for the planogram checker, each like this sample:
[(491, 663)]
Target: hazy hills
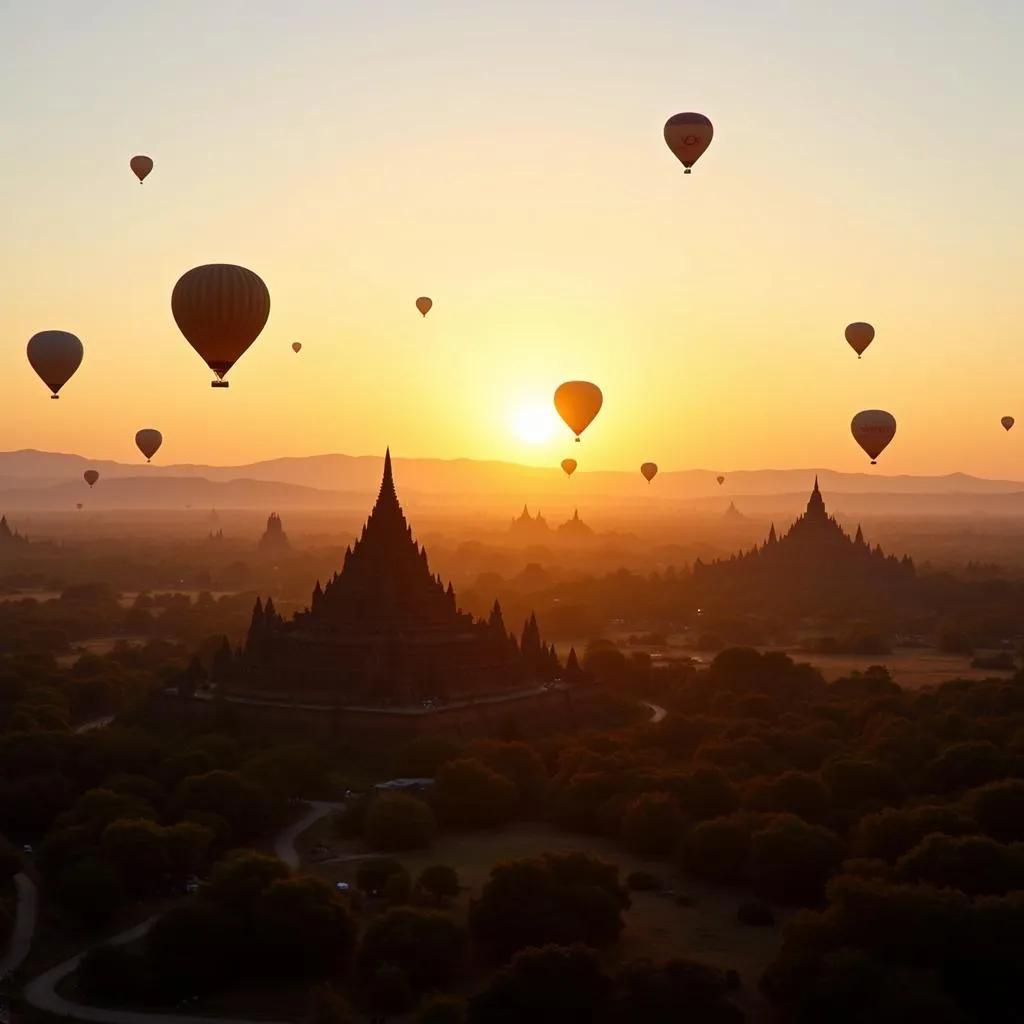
[(49, 480)]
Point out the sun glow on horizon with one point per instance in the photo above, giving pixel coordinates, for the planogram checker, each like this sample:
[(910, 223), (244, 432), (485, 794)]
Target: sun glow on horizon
[(534, 424)]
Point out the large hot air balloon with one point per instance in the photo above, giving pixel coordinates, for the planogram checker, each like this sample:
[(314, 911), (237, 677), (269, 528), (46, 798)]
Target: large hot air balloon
[(55, 355), (649, 470), (1007, 422), (688, 135), (423, 304), (90, 476), (721, 480), (578, 402), (873, 429), (859, 336), (296, 346), (221, 309), (568, 466), (148, 442), (141, 166)]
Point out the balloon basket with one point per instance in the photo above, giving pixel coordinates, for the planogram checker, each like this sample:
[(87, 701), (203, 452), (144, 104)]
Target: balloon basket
[(218, 384), (577, 439), (873, 463), (53, 398), (687, 171)]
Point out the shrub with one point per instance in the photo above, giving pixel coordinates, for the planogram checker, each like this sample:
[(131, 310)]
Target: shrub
[(652, 824), (439, 881), (397, 821)]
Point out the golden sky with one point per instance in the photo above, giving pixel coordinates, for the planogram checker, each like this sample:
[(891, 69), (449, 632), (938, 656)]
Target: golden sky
[(507, 160)]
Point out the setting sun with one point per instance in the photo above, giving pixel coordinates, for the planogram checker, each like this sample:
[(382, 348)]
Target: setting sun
[(534, 424)]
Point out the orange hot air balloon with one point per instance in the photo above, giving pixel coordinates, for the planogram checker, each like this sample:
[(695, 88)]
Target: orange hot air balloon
[(569, 466), (90, 476), (721, 480), (873, 429), (296, 346), (859, 336), (649, 470), (148, 441), (221, 309), (1007, 422), (424, 305), (141, 166), (55, 356), (688, 135), (578, 402)]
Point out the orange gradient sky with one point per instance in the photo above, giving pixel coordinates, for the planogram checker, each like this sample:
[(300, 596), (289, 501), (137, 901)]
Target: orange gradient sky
[(507, 160)]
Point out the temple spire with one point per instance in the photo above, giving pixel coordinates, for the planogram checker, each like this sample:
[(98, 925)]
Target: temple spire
[(387, 483)]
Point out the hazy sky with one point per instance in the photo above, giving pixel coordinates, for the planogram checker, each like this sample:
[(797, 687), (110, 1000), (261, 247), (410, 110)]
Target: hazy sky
[(506, 158)]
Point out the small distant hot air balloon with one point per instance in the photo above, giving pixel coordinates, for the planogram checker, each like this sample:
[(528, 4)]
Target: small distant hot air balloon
[(148, 442), (141, 166), (859, 336), (1007, 422), (423, 304), (578, 402), (649, 470), (221, 309), (721, 480), (873, 429), (90, 476), (688, 135), (79, 506), (55, 356), (296, 346), (568, 466)]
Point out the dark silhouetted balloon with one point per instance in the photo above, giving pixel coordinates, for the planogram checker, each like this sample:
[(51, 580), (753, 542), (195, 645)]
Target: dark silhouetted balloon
[(221, 309), (859, 336), (873, 429), (55, 356), (148, 441), (79, 506), (296, 346), (90, 476), (141, 166), (569, 466), (688, 135), (721, 480), (649, 471), (424, 305), (1007, 422), (578, 402)]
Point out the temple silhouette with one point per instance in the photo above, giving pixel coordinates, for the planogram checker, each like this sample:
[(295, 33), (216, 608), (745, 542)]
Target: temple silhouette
[(385, 632), (815, 553), (527, 528), (274, 538), (10, 538), (575, 528)]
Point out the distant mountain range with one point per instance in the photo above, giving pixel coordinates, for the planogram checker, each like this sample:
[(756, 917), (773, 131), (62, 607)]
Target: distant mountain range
[(50, 480)]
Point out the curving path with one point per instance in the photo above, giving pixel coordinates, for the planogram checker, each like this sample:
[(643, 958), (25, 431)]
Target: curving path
[(656, 710), (42, 992), (24, 925)]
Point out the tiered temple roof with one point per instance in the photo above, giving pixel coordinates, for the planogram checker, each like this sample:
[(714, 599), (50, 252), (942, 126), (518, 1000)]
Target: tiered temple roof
[(575, 528)]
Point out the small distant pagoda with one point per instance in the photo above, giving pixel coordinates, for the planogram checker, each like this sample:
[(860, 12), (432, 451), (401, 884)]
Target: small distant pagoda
[(274, 538), (10, 538), (575, 528), (385, 632), (528, 528), (733, 515)]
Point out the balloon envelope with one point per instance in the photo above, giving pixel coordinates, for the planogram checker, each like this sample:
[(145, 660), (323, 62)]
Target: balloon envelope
[(688, 135), (79, 506), (569, 466), (721, 480), (221, 309), (859, 336), (423, 304), (873, 429), (578, 402), (1007, 422), (90, 476), (141, 166), (148, 442), (55, 355), (649, 470), (296, 346)]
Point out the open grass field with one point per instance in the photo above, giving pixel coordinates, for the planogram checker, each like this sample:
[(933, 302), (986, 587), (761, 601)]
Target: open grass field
[(656, 927)]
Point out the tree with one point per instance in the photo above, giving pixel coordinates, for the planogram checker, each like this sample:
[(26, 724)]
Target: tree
[(443, 1010), (652, 824), (550, 985), (398, 889), (791, 793), (372, 875), (678, 990), (520, 764), (250, 810), (239, 879), (397, 821), (440, 882), (327, 1007), (427, 944), (718, 850), (138, 848), (390, 991), (976, 865), (196, 947), (188, 846), (90, 891), (10, 859), (111, 975), (422, 757), (889, 834), (468, 794), (790, 860), (854, 783), (999, 809)]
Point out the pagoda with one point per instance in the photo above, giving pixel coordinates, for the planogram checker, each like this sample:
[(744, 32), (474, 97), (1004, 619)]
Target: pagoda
[(526, 527), (575, 528), (274, 538), (384, 632)]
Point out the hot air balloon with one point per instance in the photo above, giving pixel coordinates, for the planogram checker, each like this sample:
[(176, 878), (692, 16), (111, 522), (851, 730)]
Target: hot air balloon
[(296, 346), (1007, 422), (79, 506), (423, 304), (688, 135), (90, 476), (148, 442), (55, 355), (649, 471), (859, 336), (873, 429), (578, 402), (721, 480), (221, 309), (569, 466), (141, 166)]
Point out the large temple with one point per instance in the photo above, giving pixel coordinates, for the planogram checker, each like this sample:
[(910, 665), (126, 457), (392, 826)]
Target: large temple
[(815, 553), (385, 632)]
